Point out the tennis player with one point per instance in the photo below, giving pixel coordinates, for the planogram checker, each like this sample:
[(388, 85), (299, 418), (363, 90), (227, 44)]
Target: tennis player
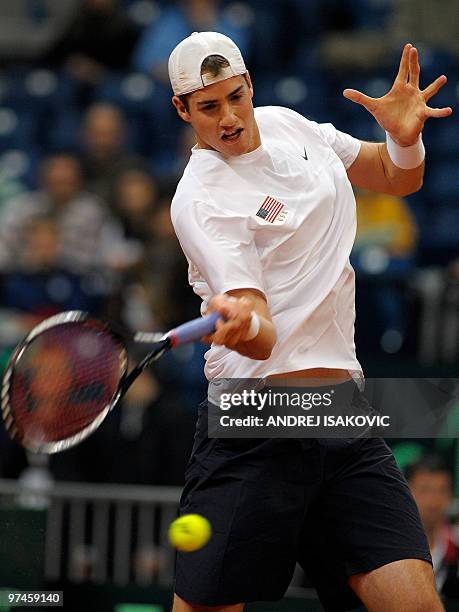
[(265, 215)]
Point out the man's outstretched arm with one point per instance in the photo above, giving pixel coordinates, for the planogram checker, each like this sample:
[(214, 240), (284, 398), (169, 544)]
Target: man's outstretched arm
[(397, 166)]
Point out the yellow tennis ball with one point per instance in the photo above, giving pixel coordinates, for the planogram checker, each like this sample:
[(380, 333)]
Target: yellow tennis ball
[(189, 532)]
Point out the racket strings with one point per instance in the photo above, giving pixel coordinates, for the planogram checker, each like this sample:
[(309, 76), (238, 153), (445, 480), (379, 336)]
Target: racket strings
[(63, 379)]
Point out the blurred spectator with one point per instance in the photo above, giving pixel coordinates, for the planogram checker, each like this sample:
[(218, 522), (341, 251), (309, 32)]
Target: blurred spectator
[(430, 481), (155, 293), (178, 22), (425, 21), (39, 285), (99, 39), (83, 559), (9, 189), (385, 222), (88, 237), (167, 272), (355, 50), (186, 141), (384, 255), (105, 155), (356, 35), (147, 563), (171, 161), (374, 32), (40, 250), (134, 203), (28, 29)]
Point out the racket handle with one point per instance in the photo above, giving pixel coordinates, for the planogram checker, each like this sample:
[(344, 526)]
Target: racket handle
[(194, 330)]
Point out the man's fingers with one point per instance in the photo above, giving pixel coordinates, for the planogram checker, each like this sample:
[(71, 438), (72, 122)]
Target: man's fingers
[(404, 68), (415, 69), (210, 337), (229, 332), (434, 87), (359, 98), (438, 113)]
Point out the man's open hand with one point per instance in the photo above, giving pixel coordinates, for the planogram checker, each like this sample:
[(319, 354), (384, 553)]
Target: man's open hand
[(403, 110)]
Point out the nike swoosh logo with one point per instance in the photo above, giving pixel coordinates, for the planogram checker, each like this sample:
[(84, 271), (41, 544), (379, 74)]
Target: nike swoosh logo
[(305, 156)]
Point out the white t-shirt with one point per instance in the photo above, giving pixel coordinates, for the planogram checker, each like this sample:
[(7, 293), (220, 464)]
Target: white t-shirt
[(280, 219)]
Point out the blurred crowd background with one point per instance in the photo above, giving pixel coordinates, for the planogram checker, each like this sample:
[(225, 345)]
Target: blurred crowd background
[(91, 150)]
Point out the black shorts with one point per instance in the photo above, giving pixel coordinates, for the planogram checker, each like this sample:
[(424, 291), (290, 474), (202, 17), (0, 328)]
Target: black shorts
[(337, 507)]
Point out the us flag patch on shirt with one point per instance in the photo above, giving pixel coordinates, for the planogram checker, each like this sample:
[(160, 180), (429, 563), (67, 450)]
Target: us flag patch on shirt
[(271, 210)]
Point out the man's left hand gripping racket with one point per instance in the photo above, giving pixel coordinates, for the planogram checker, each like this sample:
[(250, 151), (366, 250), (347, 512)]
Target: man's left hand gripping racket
[(70, 371)]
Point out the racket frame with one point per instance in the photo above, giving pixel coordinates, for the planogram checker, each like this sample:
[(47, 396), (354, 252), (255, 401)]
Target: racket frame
[(163, 342)]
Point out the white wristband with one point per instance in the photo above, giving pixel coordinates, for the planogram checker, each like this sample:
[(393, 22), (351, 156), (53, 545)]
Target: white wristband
[(254, 328), (406, 158)]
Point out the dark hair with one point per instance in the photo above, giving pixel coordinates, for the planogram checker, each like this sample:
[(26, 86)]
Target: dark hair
[(430, 463), (212, 64)]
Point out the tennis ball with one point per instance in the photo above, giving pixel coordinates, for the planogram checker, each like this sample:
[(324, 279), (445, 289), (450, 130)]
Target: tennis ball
[(189, 532)]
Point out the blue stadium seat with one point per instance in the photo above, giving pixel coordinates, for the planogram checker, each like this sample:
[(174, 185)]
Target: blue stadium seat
[(444, 138), (442, 183), (420, 209), (131, 91), (374, 86), (35, 88), (21, 165), (306, 93), (435, 62), (309, 14), (280, 28), (17, 128), (370, 14), (63, 130), (14, 93), (363, 126), (443, 224)]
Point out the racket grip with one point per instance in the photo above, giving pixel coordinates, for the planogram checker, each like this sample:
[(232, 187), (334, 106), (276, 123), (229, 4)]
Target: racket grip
[(194, 330)]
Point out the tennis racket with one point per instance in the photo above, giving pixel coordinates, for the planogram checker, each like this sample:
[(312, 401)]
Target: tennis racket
[(71, 370)]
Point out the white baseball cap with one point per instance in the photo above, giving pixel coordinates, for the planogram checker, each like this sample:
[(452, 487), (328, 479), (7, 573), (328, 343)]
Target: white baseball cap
[(186, 59)]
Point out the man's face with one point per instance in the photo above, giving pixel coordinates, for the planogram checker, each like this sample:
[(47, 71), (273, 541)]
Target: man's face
[(222, 116), (432, 492)]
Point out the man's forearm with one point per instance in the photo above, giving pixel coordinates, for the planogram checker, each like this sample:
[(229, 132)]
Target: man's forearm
[(374, 170), (261, 346)]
